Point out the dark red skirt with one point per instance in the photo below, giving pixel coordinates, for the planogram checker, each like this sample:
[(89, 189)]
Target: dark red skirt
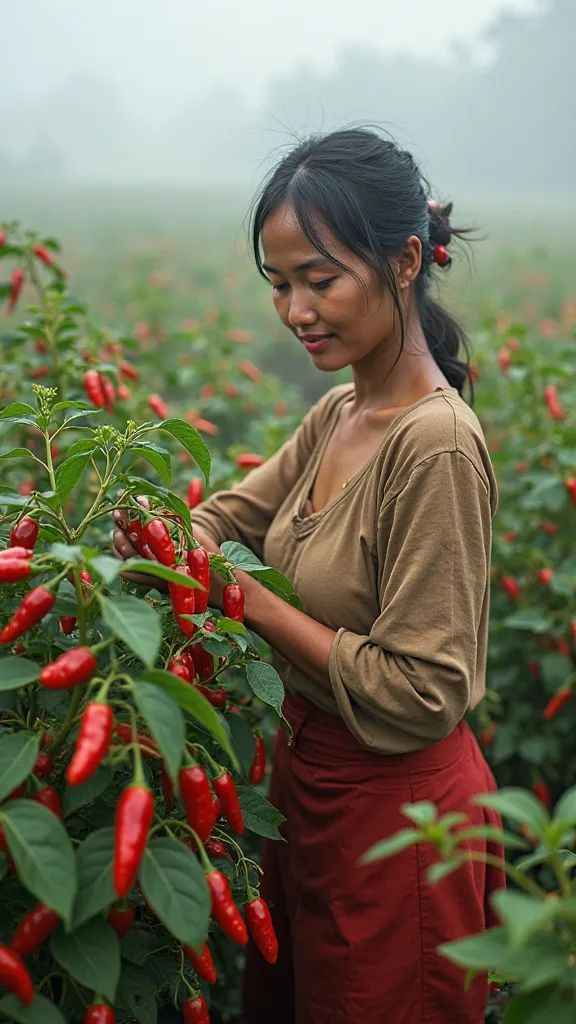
[(358, 944)]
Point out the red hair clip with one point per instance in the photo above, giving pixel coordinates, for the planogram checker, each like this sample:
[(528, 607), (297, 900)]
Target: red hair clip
[(441, 256)]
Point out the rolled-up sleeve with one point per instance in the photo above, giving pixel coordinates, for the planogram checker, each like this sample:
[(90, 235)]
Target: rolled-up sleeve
[(413, 675)]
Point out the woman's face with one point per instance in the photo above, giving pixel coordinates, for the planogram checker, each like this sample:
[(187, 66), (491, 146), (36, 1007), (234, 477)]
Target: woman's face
[(341, 319)]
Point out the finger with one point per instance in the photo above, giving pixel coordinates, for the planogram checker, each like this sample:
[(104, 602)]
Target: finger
[(119, 518), (123, 545)]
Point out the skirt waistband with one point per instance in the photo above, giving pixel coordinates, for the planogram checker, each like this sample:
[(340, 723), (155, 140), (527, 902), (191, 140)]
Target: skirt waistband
[(310, 724)]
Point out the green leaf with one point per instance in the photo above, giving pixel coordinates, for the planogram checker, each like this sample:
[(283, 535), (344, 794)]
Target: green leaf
[(517, 804), (106, 567), (260, 816), (169, 499), (66, 552), (243, 742), (87, 792), (41, 1011), (175, 886), (94, 861), (191, 440), (436, 872), (42, 853), (477, 952), (242, 558), (18, 753), (16, 672), (522, 914), (565, 810), (390, 847), (163, 572), (266, 684), (492, 834), (83, 446), (158, 458), (16, 409), (91, 955), (71, 405), (137, 992), (530, 620), (422, 813), (135, 623), (18, 453), (140, 945), (188, 698), (165, 722), (521, 1009), (68, 474)]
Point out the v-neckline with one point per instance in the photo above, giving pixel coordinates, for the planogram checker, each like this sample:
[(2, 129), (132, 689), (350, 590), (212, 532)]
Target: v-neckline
[(302, 521)]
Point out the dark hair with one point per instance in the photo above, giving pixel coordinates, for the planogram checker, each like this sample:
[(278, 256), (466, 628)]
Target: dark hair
[(372, 196)]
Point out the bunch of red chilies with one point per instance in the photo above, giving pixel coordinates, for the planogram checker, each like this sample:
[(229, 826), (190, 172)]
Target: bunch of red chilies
[(203, 800)]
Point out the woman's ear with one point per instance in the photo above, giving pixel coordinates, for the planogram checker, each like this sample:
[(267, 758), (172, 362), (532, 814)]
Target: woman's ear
[(410, 262)]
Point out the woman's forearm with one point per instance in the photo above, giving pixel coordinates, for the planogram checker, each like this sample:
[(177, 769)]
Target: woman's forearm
[(301, 640)]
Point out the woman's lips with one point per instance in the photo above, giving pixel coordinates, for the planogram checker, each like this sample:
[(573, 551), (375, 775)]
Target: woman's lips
[(316, 342)]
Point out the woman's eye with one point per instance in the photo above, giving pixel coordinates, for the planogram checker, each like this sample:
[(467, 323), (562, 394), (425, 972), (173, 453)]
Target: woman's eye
[(279, 287), (319, 286)]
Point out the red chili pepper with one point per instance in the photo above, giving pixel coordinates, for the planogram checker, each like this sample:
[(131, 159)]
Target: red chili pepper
[(16, 285), (109, 392), (504, 360), (158, 406), (2, 239), (183, 602), (549, 528), (29, 612), (19, 792), (100, 1014), (33, 929), (127, 370), (556, 702), (25, 534), (43, 254), (545, 575), (542, 791), (147, 746), (123, 393), (226, 792), (203, 661), (551, 399), (195, 492), (39, 371), (233, 602), (158, 539), (68, 624), (206, 391), (134, 815), (134, 532), (249, 460), (70, 669), (43, 765), (15, 552), (487, 735), (216, 697), (14, 976), (14, 569), (216, 848), (195, 1011), (224, 910), (49, 798), (197, 799), (510, 586), (573, 629), (571, 488), (199, 564), (250, 370), (534, 668), (178, 667), (261, 929), (94, 738), (121, 918), (259, 763), (93, 388), (207, 427), (202, 962)]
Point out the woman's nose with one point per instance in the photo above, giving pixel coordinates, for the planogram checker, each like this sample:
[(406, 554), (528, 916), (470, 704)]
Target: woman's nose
[(300, 314)]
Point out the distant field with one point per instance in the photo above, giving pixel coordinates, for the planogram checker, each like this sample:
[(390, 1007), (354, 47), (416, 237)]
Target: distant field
[(170, 255)]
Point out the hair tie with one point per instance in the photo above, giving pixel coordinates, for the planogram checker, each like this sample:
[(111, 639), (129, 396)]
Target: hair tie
[(441, 256)]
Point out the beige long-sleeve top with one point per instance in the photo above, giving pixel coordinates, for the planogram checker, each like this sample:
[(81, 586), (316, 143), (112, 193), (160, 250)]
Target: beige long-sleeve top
[(397, 564)]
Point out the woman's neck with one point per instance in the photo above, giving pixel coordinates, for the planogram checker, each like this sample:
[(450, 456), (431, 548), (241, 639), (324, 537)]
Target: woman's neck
[(395, 377)]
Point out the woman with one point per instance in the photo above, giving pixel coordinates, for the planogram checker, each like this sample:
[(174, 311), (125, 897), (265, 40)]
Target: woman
[(379, 510)]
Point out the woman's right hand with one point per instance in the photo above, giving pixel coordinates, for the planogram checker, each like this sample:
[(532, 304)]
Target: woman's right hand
[(123, 549)]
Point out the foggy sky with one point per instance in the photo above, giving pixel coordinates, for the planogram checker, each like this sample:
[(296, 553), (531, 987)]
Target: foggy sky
[(161, 53)]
